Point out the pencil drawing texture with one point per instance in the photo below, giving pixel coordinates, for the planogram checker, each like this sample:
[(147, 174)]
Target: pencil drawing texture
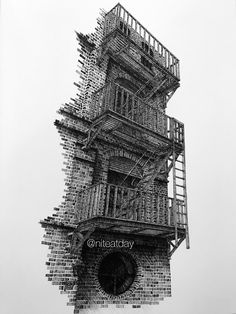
[(125, 205)]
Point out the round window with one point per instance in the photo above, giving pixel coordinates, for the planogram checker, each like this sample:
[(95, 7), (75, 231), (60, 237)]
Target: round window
[(116, 273)]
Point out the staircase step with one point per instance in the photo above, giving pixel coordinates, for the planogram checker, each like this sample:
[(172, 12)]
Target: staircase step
[(147, 175), (179, 169), (180, 178)]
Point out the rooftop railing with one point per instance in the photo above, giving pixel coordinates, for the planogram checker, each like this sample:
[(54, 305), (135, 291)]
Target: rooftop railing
[(112, 97), (119, 18)]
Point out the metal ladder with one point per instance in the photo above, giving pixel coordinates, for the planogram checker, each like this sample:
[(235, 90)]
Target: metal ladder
[(177, 163)]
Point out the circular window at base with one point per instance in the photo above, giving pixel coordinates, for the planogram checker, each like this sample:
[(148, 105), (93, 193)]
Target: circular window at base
[(116, 273)]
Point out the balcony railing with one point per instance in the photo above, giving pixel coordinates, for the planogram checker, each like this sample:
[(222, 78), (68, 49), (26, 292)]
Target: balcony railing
[(119, 18), (117, 99), (107, 200)]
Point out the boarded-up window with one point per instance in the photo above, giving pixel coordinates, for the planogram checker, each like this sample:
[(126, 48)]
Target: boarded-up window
[(120, 172)]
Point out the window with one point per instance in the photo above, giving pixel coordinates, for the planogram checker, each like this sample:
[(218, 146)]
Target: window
[(146, 63), (123, 82), (122, 187), (117, 178), (124, 28), (147, 49), (124, 172), (144, 60), (116, 273)]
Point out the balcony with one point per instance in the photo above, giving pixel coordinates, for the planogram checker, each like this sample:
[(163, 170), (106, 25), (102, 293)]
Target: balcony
[(119, 20), (116, 105), (155, 213)]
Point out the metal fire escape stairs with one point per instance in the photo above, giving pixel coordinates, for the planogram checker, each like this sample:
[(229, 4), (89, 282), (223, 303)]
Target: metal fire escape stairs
[(163, 161), (95, 128), (158, 82), (167, 158), (156, 161), (169, 92)]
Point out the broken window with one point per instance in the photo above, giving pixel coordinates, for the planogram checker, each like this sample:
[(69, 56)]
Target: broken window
[(147, 49), (124, 28)]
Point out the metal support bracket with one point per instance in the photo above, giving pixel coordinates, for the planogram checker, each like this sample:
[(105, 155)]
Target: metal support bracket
[(77, 242), (92, 134), (155, 89), (169, 93), (125, 48), (173, 247)]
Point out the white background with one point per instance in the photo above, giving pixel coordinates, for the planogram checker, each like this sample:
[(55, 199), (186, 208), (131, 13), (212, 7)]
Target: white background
[(38, 63)]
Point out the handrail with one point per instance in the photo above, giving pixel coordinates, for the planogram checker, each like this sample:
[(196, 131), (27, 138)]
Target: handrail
[(129, 14), (105, 199), (123, 102), (133, 94), (85, 189)]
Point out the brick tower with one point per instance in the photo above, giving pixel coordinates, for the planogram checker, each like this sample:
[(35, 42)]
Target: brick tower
[(125, 206)]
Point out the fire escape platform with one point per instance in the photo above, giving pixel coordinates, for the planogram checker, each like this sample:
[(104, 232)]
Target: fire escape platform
[(116, 110), (117, 124), (122, 28), (131, 227), (133, 65)]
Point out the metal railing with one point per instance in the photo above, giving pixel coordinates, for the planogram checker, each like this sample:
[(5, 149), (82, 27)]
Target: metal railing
[(107, 200), (119, 18), (117, 99)]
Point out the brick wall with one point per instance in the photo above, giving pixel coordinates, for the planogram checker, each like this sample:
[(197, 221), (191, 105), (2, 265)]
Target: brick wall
[(91, 75), (152, 282)]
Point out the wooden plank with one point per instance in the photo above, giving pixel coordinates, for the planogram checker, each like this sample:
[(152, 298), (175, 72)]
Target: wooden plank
[(89, 204), (116, 97), (107, 200), (93, 195), (97, 207), (114, 203), (118, 15), (132, 22), (127, 105), (122, 101)]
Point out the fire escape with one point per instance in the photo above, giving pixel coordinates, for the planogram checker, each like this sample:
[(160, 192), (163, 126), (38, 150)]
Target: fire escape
[(132, 117)]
